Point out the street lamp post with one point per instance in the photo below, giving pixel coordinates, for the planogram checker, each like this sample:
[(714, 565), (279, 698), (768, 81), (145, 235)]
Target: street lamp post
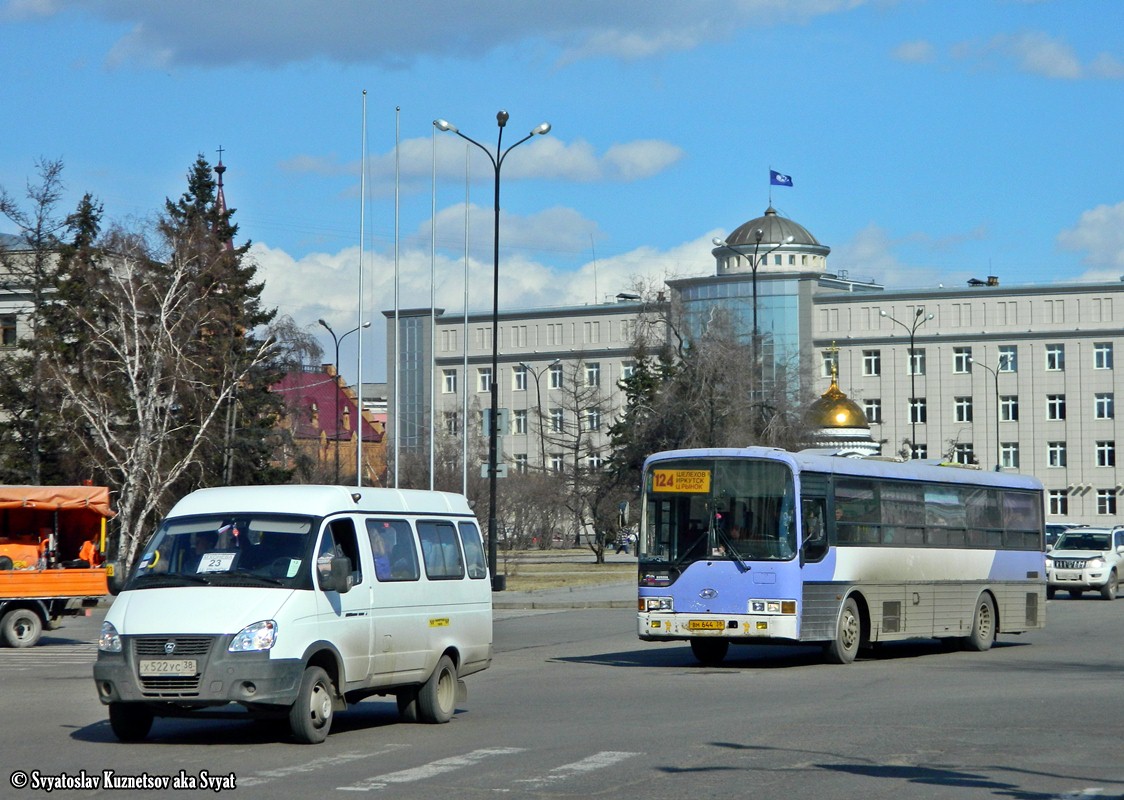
[(336, 367), (919, 319), (995, 374), (497, 160), (538, 392)]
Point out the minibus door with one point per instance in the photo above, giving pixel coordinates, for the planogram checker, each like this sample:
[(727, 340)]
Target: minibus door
[(344, 618)]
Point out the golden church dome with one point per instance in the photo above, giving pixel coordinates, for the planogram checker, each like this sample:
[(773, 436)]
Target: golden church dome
[(835, 410)]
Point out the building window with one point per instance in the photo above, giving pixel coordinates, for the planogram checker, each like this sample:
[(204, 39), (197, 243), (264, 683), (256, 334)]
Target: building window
[(829, 363), (920, 450), (593, 374), (918, 412), (1106, 502), (556, 376), (483, 379), (872, 408), (591, 332), (628, 369), (1102, 355), (1009, 455), (963, 409), (519, 421), (594, 462), (1055, 357), (963, 454), (593, 419), (917, 361), (1103, 405), (8, 335), (1009, 408), (1055, 454), (518, 335), (1008, 358), (555, 462), (1106, 453), (519, 378), (1058, 500), (451, 423), (1055, 406), (520, 463), (872, 362), (961, 359), (557, 419), (448, 381)]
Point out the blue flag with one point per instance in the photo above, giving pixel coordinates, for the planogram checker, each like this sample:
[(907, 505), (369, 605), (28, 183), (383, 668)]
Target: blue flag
[(779, 179)]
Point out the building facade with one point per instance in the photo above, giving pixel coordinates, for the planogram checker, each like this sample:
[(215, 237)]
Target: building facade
[(1019, 377)]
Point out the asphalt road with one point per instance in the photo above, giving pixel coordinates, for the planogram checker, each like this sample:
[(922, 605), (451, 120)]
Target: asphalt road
[(576, 706)]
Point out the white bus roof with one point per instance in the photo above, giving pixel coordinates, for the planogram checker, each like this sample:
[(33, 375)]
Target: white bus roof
[(318, 501), (859, 467)]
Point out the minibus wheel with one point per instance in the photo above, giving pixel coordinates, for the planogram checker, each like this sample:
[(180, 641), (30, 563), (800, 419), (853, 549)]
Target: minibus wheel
[(130, 722), (310, 717), (437, 698)]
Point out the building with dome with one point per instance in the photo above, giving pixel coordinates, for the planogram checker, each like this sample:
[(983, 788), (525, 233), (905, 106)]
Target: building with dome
[(1008, 377), (840, 425)]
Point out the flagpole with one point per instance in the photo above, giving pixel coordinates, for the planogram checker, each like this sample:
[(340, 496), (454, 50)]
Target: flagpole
[(359, 322), (397, 345), (433, 312)]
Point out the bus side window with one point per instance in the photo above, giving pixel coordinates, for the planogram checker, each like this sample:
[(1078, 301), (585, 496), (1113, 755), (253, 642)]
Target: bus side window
[(814, 514)]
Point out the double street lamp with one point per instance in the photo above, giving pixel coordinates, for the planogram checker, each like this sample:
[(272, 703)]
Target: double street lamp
[(497, 160), (919, 319), (336, 368), (995, 374)]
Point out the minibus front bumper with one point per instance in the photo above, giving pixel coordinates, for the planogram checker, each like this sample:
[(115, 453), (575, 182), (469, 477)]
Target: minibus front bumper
[(214, 677)]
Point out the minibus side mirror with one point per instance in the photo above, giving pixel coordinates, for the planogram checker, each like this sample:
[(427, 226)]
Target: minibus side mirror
[(339, 578)]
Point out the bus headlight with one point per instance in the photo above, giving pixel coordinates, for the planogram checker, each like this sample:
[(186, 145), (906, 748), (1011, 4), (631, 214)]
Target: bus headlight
[(656, 604), (109, 641), (258, 636), (772, 606)]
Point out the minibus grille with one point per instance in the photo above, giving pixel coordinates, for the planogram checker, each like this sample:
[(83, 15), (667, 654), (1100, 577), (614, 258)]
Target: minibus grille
[(198, 647)]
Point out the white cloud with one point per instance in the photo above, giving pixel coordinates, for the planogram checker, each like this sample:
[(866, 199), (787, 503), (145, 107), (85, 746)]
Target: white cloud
[(1038, 53), (872, 255), (1100, 233), (917, 52)]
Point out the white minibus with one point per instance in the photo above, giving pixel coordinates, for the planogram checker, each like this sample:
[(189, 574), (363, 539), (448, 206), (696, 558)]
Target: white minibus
[(293, 601)]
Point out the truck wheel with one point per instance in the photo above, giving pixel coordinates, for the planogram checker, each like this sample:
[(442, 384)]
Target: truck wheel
[(130, 722), (710, 652), (437, 698), (310, 717), (21, 627), (1108, 591), (6, 563), (983, 625), (848, 635)]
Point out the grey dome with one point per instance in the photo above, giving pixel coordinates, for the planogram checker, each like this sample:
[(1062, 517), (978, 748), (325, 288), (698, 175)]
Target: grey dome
[(774, 229)]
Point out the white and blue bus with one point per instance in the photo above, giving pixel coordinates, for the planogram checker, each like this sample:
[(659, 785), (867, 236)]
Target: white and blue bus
[(757, 545)]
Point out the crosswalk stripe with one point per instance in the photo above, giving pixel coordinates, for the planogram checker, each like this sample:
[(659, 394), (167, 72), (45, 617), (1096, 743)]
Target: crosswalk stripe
[(606, 758), (439, 767), (317, 764)]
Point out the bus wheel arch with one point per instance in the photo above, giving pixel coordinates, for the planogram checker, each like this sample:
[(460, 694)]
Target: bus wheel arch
[(852, 630), (985, 623)]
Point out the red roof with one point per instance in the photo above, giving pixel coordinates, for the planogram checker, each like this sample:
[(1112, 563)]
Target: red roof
[(305, 391)]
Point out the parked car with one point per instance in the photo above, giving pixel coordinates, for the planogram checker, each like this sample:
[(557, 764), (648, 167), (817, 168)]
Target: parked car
[(1086, 559)]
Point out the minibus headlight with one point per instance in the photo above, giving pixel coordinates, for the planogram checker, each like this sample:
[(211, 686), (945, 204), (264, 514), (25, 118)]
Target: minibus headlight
[(656, 604), (109, 641), (259, 636)]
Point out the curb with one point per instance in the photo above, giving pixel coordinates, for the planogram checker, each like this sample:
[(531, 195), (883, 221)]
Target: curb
[(510, 605)]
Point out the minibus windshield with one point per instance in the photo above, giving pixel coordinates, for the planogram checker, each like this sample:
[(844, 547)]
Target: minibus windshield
[(226, 550)]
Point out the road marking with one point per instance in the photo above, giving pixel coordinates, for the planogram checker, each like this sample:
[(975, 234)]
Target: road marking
[(605, 758), (41, 656), (431, 770), (315, 764)]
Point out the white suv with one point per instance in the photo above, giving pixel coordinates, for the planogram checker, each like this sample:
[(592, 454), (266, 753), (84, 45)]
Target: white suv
[(1084, 559)]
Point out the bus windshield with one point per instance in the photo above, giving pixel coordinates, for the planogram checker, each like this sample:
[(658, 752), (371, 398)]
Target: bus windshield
[(742, 510)]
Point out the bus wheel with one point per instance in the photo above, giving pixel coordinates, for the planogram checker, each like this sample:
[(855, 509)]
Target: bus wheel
[(1108, 591), (710, 652), (437, 698), (983, 625), (848, 634), (21, 627), (310, 717), (130, 722)]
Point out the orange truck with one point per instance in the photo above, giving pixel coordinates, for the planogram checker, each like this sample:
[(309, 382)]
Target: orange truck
[(52, 557)]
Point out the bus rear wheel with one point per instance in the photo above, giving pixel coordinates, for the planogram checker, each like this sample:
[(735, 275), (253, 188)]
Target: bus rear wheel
[(848, 634), (710, 652), (983, 625)]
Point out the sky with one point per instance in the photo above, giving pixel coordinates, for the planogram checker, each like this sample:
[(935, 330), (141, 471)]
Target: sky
[(928, 141)]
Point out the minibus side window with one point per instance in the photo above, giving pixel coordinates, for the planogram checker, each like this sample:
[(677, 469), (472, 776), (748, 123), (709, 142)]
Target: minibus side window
[(473, 550), (393, 548), (339, 540), (441, 550)]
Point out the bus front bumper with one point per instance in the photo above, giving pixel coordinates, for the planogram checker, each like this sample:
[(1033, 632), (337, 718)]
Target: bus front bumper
[(662, 626)]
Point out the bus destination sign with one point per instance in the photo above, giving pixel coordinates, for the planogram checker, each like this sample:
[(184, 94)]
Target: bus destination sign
[(685, 481)]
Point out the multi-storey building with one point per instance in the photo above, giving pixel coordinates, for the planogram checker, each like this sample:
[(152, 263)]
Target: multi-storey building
[(1019, 376)]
